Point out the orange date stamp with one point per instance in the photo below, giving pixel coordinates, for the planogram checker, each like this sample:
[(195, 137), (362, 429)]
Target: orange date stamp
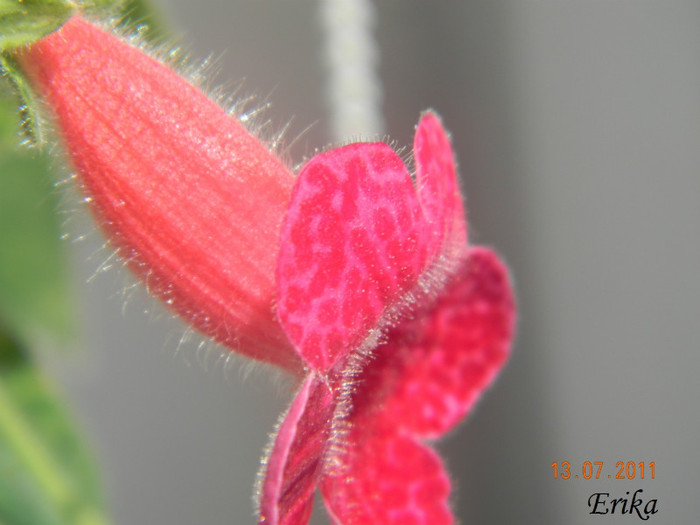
[(629, 470)]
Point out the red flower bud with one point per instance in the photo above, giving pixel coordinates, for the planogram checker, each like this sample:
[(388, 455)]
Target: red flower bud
[(192, 201)]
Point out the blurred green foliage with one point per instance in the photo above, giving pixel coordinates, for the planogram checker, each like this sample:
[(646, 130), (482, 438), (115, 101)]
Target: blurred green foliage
[(25, 21), (34, 284), (46, 476)]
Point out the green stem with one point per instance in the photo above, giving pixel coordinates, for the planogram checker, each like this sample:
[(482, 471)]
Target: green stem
[(46, 473)]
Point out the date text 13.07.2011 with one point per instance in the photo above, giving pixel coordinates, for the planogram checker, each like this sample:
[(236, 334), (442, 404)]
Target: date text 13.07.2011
[(596, 470)]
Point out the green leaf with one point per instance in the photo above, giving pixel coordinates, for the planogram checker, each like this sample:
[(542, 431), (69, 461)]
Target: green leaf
[(45, 476), (35, 287), (32, 123), (145, 14), (100, 7), (26, 21)]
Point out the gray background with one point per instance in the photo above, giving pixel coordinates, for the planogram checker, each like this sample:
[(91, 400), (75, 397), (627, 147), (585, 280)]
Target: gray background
[(576, 125)]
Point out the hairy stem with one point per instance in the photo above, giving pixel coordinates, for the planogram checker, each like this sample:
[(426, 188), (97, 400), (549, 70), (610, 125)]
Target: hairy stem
[(354, 89)]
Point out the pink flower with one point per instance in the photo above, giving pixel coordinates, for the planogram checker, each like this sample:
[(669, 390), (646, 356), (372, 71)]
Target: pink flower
[(395, 324), (400, 324)]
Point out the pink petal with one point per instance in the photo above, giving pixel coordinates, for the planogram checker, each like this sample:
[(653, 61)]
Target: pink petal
[(387, 479), (437, 183), (353, 242), (191, 199), (433, 370), (294, 465)]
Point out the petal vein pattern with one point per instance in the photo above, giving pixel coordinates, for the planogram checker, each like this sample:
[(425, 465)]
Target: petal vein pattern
[(384, 300), (293, 466), (354, 241), (431, 370)]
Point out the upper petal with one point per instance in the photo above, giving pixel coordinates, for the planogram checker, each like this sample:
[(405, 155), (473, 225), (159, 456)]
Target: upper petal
[(353, 242), (191, 199), (361, 244), (438, 188), (433, 369)]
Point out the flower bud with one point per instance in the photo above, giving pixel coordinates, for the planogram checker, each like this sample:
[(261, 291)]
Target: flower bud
[(191, 200)]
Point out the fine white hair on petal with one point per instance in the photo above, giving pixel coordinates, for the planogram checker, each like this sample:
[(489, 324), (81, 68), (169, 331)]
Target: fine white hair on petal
[(354, 90)]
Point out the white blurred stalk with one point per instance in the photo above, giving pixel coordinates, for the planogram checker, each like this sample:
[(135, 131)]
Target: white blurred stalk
[(354, 91)]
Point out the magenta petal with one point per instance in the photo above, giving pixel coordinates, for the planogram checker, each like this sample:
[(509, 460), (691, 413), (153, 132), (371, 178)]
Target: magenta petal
[(294, 465), (387, 479), (434, 369), (437, 185), (354, 241)]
